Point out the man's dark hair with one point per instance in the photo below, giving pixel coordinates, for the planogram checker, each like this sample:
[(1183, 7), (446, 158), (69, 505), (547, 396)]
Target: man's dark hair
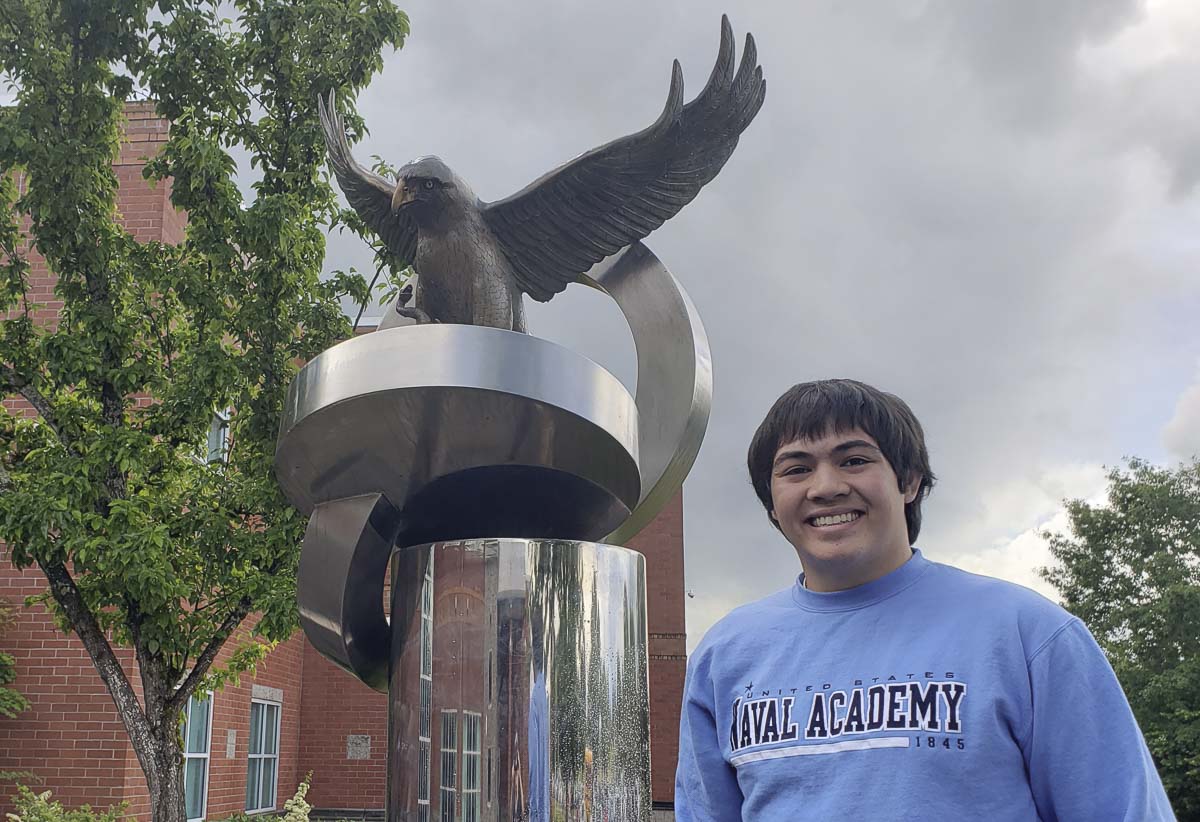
[(810, 410)]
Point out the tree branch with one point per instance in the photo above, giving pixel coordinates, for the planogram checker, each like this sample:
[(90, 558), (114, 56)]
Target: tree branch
[(10, 377), (83, 621), (209, 654), (155, 691)]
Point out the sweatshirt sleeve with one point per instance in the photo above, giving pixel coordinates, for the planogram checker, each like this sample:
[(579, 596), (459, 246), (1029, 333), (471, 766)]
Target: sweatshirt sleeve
[(1086, 758), (706, 787)]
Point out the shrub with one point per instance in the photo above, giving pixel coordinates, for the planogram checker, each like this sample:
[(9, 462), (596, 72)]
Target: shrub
[(296, 809), (37, 807)]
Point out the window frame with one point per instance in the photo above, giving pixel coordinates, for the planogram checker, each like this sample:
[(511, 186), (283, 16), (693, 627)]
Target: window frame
[(185, 725), (216, 448), (425, 727), (472, 799), (252, 757), (448, 766)]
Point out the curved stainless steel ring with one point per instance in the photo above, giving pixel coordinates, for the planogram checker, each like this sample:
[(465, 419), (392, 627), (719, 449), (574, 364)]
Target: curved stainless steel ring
[(674, 382), (674, 394)]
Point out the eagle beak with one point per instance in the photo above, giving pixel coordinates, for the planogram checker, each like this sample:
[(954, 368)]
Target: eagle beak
[(402, 196)]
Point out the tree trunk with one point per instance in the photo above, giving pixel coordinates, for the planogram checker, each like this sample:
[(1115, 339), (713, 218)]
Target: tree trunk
[(153, 732), (164, 776)]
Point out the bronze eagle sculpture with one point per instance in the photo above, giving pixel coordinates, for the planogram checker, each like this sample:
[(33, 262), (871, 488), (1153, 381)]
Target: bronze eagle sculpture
[(474, 260)]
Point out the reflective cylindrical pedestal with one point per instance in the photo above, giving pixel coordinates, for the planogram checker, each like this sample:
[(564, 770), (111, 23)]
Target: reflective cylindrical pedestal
[(518, 685)]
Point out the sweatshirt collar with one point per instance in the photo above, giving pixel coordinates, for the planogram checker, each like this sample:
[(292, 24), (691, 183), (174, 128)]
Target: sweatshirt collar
[(861, 596)]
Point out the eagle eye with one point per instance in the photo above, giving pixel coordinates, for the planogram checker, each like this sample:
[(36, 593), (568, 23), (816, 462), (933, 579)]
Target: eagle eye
[(429, 184)]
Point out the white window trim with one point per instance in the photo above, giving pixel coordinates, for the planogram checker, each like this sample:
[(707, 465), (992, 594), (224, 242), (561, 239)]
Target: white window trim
[(260, 756), (207, 755), (472, 795), (425, 743), (452, 789)]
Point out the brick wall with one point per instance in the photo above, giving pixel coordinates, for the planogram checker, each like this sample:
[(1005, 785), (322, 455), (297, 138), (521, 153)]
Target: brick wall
[(71, 737), (281, 674), (336, 705), (145, 207), (662, 544)]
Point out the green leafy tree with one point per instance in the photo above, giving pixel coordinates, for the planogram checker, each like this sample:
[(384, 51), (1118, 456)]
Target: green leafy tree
[(1130, 569), (144, 542)]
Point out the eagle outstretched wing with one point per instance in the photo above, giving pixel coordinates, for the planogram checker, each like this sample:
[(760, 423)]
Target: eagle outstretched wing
[(562, 224), (368, 193)]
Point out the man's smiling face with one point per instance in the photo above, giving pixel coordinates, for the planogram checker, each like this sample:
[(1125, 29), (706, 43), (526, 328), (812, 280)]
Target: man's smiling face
[(839, 503)]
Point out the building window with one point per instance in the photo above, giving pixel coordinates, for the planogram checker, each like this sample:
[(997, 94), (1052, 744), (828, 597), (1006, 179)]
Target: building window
[(424, 734), (449, 781), (197, 729), (470, 767), (218, 436), (262, 769)]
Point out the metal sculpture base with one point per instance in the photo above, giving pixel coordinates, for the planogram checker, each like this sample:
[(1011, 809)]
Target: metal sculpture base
[(516, 668), (518, 684)]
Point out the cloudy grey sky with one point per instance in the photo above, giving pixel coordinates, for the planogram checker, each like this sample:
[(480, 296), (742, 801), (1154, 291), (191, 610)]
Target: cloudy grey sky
[(990, 209)]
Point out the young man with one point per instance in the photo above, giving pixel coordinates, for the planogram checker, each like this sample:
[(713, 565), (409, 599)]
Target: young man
[(884, 686)]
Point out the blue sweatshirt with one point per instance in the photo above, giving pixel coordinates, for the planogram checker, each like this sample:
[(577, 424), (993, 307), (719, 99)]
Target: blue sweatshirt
[(929, 693)]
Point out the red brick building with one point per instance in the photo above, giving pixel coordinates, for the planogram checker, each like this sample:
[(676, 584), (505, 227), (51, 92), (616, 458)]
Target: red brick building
[(251, 743)]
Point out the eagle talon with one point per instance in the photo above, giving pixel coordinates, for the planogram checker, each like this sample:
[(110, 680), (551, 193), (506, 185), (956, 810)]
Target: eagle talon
[(414, 313)]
